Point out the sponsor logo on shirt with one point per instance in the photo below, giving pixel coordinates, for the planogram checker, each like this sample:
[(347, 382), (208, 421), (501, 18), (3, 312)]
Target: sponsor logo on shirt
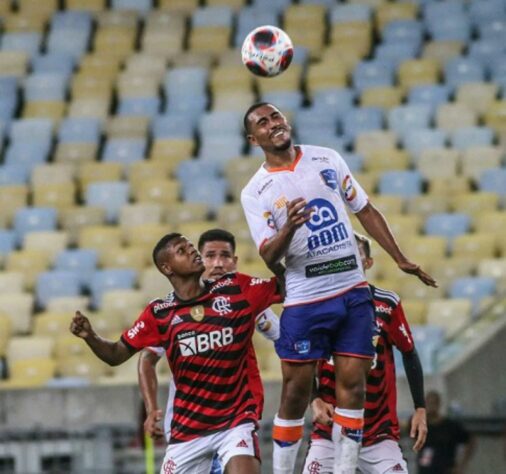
[(265, 186), (204, 342), (176, 320), (221, 284), (222, 305), (258, 281), (384, 309), (270, 220), (329, 177), (321, 159), (404, 331), (339, 265), (135, 330), (281, 202), (348, 188)]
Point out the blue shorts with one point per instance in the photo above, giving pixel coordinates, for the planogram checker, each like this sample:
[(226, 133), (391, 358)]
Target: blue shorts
[(342, 325)]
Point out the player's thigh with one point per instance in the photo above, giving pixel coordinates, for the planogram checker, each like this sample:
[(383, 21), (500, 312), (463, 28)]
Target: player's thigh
[(382, 458), (238, 447), (192, 457), (319, 458)]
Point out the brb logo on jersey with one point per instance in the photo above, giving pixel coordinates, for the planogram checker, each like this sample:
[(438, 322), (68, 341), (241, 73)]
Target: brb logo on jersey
[(203, 342), (325, 228)]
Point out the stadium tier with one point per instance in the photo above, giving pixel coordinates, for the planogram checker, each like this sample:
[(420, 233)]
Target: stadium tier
[(122, 120)]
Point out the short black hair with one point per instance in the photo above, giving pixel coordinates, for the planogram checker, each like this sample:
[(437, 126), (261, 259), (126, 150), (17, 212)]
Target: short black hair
[(214, 235), (365, 241), (162, 243), (250, 111)]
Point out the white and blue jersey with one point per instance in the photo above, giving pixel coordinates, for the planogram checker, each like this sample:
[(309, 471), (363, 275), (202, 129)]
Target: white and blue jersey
[(322, 260)]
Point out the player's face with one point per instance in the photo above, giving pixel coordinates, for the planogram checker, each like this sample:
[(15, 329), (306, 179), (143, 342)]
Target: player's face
[(367, 262), (218, 258), (269, 129), (181, 259)]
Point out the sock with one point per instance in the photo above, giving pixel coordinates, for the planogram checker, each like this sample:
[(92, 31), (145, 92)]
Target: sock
[(286, 437), (347, 437)]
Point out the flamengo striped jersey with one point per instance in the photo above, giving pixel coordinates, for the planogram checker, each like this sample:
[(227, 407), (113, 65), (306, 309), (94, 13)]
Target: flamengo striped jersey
[(207, 342), (380, 417), (322, 259)]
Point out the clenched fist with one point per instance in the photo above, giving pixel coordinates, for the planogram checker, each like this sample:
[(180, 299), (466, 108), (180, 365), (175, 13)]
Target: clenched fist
[(80, 326)]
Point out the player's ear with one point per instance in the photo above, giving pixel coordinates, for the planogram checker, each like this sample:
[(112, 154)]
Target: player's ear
[(166, 269), (236, 259), (251, 139), (369, 262)]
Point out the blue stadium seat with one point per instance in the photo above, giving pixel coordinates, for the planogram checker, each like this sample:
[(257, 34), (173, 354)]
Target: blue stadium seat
[(81, 130), (188, 104), (56, 284), (486, 52), (459, 70), (108, 195), (7, 241), (212, 192), (185, 81), (14, 173), (110, 279), (286, 101), (8, 105), (194, 170), (141, 6), (21, 41), (362, 119), (69, 41), (221, 122), (354, 161), (31, 219), (404, 31), (431, 94), (83, 261), (77, 20), (473, 288), (485, 11), (432, 11), (334, 102), (405, 183), (28, 154), (395, 53), (37, 130), (54, 63), (144, 106), (327, 3), (300, 55), (493, 30), (468, 137), (249, 18), (373, 73), (427, 339), (221, 148), (498, 71), (449, 225), (405, 118), (415, 141), (274, 5), (493, 180), (45, 86), (308, 120), (450, 28), (349, 12), (212, 16), (325, 139), (124, 150), (172, 126)]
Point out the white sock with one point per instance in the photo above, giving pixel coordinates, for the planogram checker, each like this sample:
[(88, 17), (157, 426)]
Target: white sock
[(347, 440), (285, 448)]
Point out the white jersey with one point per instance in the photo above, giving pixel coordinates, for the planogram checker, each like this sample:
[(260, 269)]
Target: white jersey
[(322, 259)]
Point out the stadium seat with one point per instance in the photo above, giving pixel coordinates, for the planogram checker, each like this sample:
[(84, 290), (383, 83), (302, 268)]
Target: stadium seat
[(157, 190), (475, 160), (18, 308), (448, 225), (139, 214), (109, 195), (493, 180), (438, 162), (430, 94), (125, 304), (492, 267), (50, 242), (250, 17), (133, 258), (30, 373), (378, 143), (395, 53), (82, 367), (495, 116), (411, 288), (455, 27), (56, 195), (448, 186), (403, 31), (373, 73), (485, 11), (452, 315), (417, 72), (213, 194), (131, 130), (82, 261), (79, 130), (55, 284), (473, 288), (405, 118), (109, 279), (426, 204), (28, 42), (98, 171), (475, 203), (53, 173), (50, 324), (400, 183), (476, 95), (450, 117), (383, 97), (459, 71), (486, 52), (442, 51), (362, 120), (45, 86), (146, 235), (124, 150), (13, 63), (476, 245), (335, 102), (99, 237), (471, 137), (417, 140), (34, 219)]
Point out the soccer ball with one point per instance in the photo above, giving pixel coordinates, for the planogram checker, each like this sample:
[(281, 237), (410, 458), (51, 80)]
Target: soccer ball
[(267, 51)]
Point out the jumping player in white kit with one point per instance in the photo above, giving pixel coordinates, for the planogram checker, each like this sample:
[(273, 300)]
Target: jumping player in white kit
[(295, 206)]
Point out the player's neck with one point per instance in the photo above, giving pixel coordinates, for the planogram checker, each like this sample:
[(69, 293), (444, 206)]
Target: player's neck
[(280, 158), (188, 288)]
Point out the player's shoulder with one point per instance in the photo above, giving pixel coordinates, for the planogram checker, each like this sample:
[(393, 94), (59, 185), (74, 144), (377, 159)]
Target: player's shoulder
[(161, 307), (255, 183), (319, 154), (387, 297), (224, 283)]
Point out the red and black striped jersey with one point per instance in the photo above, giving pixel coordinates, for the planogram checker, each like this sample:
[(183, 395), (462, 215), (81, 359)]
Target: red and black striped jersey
[(207, 342), (380, 417)]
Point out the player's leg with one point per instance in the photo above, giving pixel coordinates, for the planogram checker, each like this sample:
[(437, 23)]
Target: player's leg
[(303, 340), (354, 351), (238, 450), (319, 458), (382, 458), (192, 457)]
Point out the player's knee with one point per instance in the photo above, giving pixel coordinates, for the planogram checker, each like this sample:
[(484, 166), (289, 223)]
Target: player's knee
[(296, 395), (353, 389)]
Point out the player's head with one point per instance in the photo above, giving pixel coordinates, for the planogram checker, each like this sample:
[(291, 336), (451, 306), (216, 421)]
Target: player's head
[(432, 403), (267, 128), (364, 249), (217, 247), (174, 255)]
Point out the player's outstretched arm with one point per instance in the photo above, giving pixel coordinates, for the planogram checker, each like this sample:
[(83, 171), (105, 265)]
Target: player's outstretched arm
[(148, 383), (275, 248), (376, 225), (112, 353)]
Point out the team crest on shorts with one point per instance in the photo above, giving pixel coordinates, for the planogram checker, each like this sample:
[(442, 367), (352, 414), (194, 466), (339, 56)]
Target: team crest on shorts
[(314, 467), (197, 313), (302, 347)]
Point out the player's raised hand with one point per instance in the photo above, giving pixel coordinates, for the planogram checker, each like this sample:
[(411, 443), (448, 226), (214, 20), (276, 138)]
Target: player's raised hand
[(80, 326), (414, 269), (152, 424), (322, 412), (297, 214), (418, 429)]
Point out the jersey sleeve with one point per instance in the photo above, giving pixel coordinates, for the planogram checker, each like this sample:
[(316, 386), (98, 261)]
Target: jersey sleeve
[(350, 190), (260, 221), (157, 350), (260, 292), (143, 333), (399, 331)]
